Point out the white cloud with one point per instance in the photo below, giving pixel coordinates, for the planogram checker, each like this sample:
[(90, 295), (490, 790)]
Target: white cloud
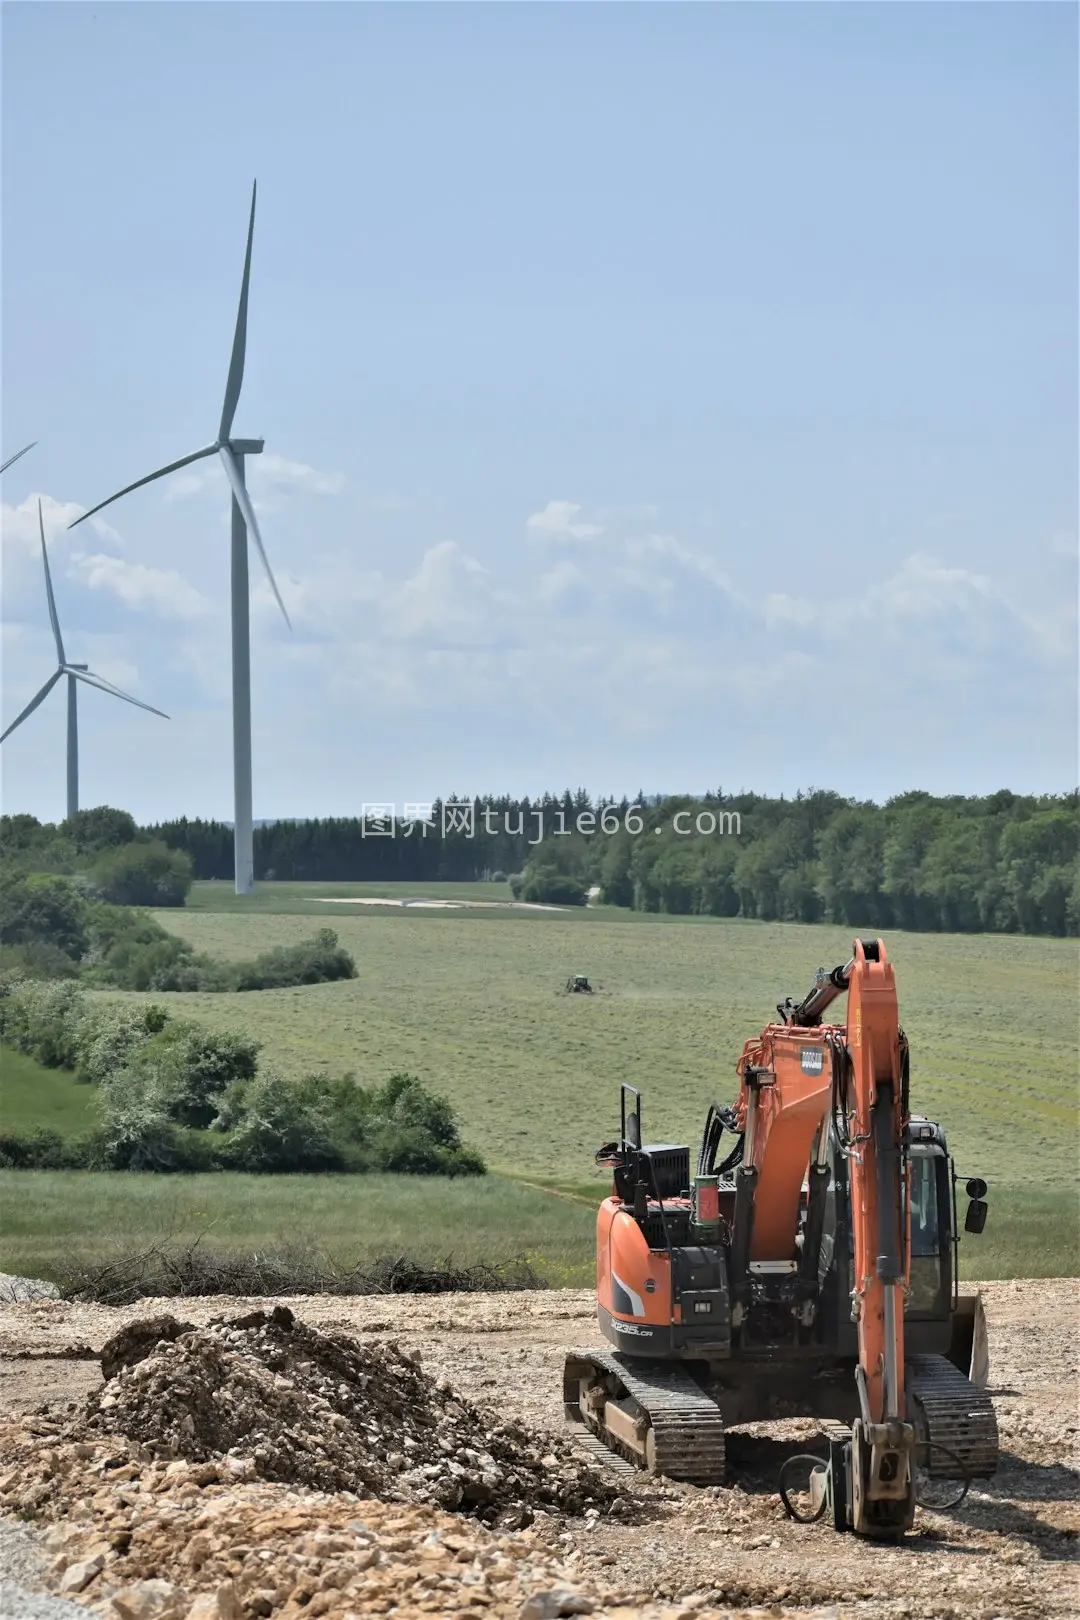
[(265, 472), (295, 474), (21, 533), (157, 590), (557, 520)]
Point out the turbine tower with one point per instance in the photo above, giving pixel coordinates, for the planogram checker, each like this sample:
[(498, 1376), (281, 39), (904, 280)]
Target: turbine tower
[(75, 673), (232, 452)]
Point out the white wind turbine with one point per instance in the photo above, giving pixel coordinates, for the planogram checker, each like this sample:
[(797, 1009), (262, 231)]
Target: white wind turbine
[(232, 452), (75, 673), (12, 459)]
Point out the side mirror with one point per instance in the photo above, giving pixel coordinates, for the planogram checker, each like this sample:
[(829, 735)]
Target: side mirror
[(633, 1129), (976, 1187), (975, 1219)]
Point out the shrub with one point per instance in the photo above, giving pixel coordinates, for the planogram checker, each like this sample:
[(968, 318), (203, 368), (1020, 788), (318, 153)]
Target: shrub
[(111, 1037), (131, 950), (142, 874), (92, 831), (317, 960), (43, 1020), (553, 888), (43, 911), (136, 1134), (38, 960), (285, 1127), (414, 1131), (187, 1068), (44, 1150)]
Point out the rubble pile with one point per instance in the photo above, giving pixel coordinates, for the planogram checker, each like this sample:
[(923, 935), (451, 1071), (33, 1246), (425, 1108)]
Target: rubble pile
[(266, 1396), (136, 1539)]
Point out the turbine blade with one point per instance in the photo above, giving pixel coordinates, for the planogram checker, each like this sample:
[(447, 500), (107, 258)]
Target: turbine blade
[(244, 502), (196, 455), (49, 590), (32, 705), (114, 691), (239, 346), (12, 459)]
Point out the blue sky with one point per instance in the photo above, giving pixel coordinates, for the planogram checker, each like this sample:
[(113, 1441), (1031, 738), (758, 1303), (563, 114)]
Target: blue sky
[(654, 396)]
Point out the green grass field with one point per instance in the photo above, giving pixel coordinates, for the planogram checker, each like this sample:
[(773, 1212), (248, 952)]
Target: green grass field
[(472, 1001), (33, 1098), (49, 1218)]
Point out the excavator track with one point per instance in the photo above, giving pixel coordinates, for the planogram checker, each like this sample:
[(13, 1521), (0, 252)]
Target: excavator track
[(950, 1411), (685, 1427)]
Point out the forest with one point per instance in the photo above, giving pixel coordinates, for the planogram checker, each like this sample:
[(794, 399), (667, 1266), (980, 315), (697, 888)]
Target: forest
[(1003, 863)]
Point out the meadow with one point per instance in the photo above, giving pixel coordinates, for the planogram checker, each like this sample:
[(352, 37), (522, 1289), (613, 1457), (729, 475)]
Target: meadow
[(473, 1001)]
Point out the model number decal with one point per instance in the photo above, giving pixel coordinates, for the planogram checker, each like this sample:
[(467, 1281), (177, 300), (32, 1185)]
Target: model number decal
[(811, 1060)]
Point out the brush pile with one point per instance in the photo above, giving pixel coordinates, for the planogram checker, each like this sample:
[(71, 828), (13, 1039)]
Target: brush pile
[(264, 1396)]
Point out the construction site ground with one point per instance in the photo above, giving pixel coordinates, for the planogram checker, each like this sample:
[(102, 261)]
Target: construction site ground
[(142, 1540)]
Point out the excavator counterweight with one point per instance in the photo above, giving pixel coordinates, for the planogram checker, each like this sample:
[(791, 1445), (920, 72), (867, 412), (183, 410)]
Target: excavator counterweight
[(808, 1269)]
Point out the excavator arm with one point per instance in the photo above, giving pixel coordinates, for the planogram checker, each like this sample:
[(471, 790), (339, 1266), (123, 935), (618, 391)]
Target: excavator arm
[(872, 1122), (797, 1078)]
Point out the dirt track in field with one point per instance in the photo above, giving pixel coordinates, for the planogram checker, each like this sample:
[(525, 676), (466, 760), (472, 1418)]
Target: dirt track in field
[(1009, 1551)]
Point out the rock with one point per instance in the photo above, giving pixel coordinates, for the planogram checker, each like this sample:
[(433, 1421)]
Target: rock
[(80, 1574), (220, 1605), (556, 1601), (146, 1600)]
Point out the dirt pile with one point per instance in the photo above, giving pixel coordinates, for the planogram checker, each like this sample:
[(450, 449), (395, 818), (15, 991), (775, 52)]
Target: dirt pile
[(266, 1396)]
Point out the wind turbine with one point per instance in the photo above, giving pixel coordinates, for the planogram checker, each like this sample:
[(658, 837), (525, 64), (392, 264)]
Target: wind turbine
[(232, 452), (12, 459), (75, 673)]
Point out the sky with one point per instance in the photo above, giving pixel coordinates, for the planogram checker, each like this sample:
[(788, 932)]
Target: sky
[(666, 397)]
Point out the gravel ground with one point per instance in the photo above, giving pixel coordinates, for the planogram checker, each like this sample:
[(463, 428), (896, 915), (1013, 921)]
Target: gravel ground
[(1010, 1552), (22, 1575)]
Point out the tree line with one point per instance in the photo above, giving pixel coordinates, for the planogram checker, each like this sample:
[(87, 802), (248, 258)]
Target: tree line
[(1001, 863)]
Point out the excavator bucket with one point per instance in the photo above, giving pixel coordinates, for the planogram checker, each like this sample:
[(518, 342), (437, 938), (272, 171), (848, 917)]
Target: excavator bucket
[(969, 1350)]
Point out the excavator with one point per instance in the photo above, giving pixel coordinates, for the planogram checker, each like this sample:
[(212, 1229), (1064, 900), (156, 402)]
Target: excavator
[(808, 1268)]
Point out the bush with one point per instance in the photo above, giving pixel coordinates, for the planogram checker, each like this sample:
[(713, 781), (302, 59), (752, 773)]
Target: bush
[(92, 831), (137, 1134), (412, 1130), (285, 1127), (317, 960), (131, 951), (43, 1020), (142, 874), (43, 911), (111, 1036), (45, 1150), (39, 960), (187, 1068), (551, 888)]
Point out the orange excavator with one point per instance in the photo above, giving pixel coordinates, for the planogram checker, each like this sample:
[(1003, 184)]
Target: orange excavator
[(809, 1270)]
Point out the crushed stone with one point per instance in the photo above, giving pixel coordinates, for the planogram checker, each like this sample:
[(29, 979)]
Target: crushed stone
[(267, 1396)]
